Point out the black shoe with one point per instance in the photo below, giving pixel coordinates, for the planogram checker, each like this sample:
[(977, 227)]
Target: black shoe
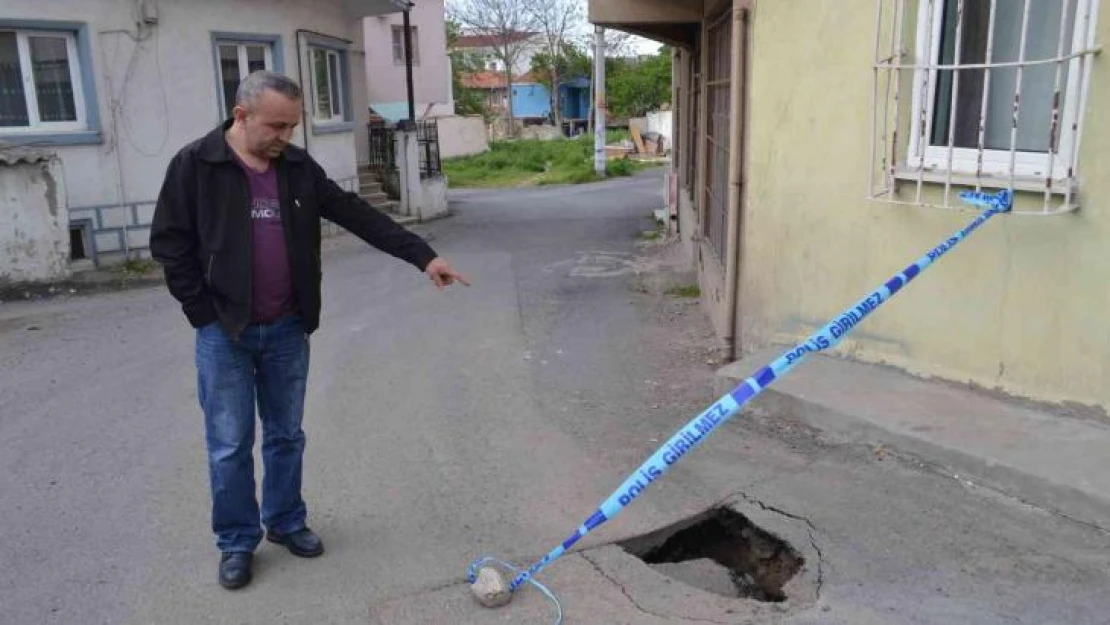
[(235, 569), (303, 543)]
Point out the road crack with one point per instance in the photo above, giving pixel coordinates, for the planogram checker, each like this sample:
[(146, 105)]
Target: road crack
[(636, 604), (939, 470)]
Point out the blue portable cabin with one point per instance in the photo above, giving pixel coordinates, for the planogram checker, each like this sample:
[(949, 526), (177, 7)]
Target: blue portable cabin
[(574, 98), (531, 100)]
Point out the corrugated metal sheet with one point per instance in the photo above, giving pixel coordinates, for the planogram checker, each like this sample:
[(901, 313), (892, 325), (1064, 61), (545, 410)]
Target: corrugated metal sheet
[(17, 155)]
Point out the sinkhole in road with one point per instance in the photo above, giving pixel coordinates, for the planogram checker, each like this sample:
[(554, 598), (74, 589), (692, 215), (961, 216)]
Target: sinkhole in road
[(723, 552)]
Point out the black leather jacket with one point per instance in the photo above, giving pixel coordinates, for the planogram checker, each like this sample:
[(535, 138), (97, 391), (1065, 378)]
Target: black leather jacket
[(202, 234)]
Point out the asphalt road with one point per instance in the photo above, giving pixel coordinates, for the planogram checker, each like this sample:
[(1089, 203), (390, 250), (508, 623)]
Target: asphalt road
[(489, 420)]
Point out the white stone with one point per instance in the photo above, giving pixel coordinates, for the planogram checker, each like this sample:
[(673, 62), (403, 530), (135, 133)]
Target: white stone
[(490, 588)]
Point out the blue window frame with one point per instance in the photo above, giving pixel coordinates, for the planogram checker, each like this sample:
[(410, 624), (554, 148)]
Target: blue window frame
[(330, 85)]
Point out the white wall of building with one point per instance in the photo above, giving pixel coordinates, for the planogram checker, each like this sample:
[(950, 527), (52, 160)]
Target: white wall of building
[(166, 89), (462, 136), (523, 62), (431, 75)]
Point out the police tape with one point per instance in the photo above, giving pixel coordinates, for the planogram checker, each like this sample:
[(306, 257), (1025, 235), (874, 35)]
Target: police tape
[(700, 427)]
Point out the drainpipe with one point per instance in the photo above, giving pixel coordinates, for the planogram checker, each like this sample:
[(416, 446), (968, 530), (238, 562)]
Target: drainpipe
[(735, 180), (599, 101), (408, 64)]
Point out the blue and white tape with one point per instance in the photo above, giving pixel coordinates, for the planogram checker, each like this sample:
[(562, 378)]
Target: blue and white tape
[(702, 426)]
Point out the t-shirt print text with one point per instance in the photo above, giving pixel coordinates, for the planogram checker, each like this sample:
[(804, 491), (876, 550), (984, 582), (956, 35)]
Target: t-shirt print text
[(265, 208)]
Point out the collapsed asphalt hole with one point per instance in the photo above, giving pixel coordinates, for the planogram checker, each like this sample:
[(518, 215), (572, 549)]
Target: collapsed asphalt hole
[(722, 552)]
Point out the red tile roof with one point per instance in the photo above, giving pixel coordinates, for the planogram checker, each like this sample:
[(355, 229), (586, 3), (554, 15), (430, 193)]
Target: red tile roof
[(493, 80)]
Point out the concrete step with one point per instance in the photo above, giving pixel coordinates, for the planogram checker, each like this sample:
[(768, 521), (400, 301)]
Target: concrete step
[(388, 206), (370, 187), (376, 199), (404, 220), (368, 177)]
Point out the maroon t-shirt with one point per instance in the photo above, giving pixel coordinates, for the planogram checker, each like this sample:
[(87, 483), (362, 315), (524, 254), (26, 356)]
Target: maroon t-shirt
[(272, 286)]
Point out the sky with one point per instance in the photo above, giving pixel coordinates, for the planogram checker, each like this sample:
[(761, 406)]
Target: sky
[(637, 45)]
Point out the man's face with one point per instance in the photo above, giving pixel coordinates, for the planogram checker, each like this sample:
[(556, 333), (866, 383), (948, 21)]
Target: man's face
[(268, 123)]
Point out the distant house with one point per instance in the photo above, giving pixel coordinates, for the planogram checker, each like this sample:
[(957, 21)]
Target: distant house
[(431, 71), (532, 101), (484, 46)]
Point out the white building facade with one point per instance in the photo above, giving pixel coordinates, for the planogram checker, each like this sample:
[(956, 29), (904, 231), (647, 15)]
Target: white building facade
[(115, 87)]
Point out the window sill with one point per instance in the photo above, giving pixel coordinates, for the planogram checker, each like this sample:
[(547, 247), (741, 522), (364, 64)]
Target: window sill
[(78, 137), (1021, 183), (332, 128)]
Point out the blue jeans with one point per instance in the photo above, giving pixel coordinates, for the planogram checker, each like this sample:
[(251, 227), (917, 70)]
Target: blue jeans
[(267, 364)]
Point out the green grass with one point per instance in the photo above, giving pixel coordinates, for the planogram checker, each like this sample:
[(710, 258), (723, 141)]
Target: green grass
[(622, 167), (691, 290), (534, 162), (136, 266)]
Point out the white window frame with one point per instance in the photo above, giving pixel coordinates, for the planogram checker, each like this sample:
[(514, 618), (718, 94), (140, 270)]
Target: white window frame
[(399, 30), (35, 125), (995, 162), (335, 78), (241, 49)]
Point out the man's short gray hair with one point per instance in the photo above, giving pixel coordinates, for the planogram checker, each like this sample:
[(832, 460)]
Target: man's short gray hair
[(253, 85)]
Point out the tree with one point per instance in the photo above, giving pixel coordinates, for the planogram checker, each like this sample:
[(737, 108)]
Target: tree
[(551, 72), (468, 101), (636, 86), (506, 25), (556, 20)]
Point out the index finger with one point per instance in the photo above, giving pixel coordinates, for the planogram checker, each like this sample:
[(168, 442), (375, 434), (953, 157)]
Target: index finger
[(461, 278)]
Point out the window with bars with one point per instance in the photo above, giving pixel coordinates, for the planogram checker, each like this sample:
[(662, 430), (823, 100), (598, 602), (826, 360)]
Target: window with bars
[(236, 61), (40, 81), (399, 45), (718, 95), (694, 96), (992, 97)]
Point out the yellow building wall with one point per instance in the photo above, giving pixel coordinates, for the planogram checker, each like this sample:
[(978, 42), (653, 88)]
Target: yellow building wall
[(1023, 305)]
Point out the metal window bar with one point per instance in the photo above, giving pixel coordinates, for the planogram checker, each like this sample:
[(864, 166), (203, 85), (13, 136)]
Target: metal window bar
[(427, 139), (1054, 169), (1017, 89), (896, 27), (875, 101), (1081, 89), (953, 106), (1054, 129), (927, 75), (692, 116), (718, 94), (982, 136), (383, 157)]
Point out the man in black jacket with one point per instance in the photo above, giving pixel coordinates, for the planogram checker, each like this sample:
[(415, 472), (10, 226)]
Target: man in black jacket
[(237, 231)]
